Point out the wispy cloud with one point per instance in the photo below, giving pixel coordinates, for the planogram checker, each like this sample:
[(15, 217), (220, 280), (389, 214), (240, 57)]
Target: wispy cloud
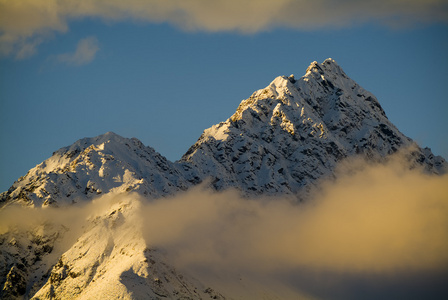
[(22, 20), (85, 52)]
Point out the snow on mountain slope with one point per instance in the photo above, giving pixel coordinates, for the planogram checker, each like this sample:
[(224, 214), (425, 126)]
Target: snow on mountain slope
[(93, 166), (293, 132), (111, 259), (107, 257), (281, 139)]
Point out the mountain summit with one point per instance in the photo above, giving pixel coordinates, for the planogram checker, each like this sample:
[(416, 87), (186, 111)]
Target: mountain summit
[(293, 132), (281, 139)]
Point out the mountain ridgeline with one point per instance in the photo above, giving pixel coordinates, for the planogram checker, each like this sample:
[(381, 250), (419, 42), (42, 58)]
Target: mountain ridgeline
[(281, 139)]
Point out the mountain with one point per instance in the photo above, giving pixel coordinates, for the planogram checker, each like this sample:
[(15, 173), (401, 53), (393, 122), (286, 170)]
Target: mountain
[(280, 141), (293, 132), (94, 166)]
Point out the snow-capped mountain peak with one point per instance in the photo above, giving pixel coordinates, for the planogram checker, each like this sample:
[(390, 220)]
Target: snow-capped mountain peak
[(98, 165), (329, 66), (294, 131), (279, 140)]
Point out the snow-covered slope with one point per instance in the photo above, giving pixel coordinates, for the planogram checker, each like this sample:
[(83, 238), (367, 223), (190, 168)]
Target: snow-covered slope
[(281, 140), (111, 260), (108, 258), (93, 166), (293, 132)]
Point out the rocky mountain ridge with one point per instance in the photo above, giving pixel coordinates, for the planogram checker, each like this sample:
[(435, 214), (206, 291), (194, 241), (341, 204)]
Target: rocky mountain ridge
[(281, 139)]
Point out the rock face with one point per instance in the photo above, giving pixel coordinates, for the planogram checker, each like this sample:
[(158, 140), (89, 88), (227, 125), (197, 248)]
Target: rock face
[(279, 141)]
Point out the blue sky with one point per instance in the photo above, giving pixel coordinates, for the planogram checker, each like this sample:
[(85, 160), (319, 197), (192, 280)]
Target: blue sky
[(164, 73)]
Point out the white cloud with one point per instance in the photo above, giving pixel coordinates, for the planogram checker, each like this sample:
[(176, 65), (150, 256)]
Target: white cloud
[(85, 52), (22, 19), (381, 219)]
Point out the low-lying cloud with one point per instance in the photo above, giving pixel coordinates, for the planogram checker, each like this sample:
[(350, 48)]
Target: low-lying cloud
[(24, 23), (378, 230), (381, 225), (381, 219)]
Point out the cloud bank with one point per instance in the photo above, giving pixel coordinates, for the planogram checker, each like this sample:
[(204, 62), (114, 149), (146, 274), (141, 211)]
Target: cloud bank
[(377, 231), (381, 219), (24, 23)]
